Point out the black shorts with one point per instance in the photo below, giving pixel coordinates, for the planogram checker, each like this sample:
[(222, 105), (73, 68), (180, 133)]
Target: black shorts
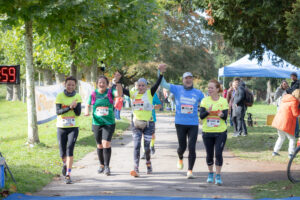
[(66, 140), (103, 132)]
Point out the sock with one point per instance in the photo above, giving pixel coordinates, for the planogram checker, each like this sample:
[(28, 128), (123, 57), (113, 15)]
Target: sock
[(106, 155), (69, 172), (152, 142), (100, 156)]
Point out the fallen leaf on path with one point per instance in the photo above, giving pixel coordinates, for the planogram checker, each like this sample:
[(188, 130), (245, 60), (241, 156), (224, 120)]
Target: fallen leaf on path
[(107, 192), (13, 188)]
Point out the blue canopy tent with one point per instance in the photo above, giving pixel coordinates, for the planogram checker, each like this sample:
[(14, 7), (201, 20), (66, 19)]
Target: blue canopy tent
[(250, 68)]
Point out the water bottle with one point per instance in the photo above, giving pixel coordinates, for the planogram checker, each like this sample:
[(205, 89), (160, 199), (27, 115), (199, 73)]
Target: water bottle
[(2, 176)]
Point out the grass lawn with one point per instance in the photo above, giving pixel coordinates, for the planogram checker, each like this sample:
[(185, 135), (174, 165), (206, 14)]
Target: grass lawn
[(34, 167), (258, 145)]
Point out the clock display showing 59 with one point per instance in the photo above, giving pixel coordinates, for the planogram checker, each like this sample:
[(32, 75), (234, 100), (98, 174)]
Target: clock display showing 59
[(10, 74)]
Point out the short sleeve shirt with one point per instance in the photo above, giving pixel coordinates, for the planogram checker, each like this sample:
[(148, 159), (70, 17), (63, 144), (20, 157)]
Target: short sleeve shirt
[(213, 123), (187, 102), (68, 119)]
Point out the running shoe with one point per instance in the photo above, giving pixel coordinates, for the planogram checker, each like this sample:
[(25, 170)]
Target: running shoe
[(149, 167), (135, 172), (143, 156), (101, 169), (218, 179), (64, 170), (68, 179), (210, 178), (107, 171), (189, 175), (152, 150), (180, 164), (275, 154)]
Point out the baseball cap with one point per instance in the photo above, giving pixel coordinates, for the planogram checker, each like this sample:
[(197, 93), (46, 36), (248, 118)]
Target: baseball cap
[(186, 74), (294, 74)]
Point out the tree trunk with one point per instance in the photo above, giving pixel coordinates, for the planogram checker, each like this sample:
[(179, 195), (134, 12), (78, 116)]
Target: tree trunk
[(269, 90), (73, 71), (261, 95), (16, 92), (47, 76), (59, 77), (33, 136), (94, 71), (9, 92)]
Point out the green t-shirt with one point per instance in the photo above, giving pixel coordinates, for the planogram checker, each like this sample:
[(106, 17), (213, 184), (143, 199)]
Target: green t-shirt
[(68, 119), (213, 123), (103, 112)]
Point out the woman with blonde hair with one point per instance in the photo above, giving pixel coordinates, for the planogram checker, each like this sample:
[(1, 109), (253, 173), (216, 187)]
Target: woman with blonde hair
[(285, 121)]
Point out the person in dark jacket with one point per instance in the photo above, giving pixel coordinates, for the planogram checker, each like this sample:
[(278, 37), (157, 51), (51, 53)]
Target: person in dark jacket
[(295, 84), (239, 108)]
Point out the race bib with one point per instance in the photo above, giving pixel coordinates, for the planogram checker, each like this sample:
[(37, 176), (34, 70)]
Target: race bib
[(213, 122), (68, 121), (138, 104), (187, 109), (102, 111)]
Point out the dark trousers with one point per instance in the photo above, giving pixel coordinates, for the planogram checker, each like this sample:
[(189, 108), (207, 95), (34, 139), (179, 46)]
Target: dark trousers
[(238, 120), (190, 133), (214, 145)]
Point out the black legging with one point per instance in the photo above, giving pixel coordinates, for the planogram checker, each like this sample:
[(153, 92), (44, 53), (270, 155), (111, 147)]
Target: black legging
[(189, 132), (66, 140), (214, 144)]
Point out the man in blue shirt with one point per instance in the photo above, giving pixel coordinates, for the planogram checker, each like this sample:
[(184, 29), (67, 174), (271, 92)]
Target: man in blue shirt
[(187, 99)]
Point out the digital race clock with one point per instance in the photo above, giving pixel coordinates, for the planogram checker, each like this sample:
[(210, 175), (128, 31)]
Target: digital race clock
[(10, 74)]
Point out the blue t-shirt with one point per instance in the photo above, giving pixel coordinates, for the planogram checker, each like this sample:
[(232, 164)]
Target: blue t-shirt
[(187, 102), (155, 101)]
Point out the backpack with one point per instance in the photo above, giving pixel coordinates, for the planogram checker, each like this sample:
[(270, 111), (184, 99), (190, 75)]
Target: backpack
[(249, 98), (109, 96)]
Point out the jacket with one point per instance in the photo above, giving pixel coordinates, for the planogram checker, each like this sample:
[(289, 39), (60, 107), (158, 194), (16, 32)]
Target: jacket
[(286, 116), (240, 95), (294, 85)]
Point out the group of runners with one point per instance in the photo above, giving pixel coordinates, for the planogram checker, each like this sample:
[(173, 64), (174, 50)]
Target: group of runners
[(213, 113)]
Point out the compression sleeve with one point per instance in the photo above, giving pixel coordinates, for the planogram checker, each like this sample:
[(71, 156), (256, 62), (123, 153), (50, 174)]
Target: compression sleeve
[(60, 111)]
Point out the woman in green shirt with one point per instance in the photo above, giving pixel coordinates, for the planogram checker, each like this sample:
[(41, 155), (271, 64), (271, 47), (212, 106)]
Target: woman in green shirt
[(103, 124)]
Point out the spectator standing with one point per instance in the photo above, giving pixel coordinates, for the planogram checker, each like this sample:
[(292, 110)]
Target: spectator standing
[(239, 108)]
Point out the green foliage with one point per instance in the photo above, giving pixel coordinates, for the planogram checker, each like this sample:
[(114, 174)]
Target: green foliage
[(253, 25)]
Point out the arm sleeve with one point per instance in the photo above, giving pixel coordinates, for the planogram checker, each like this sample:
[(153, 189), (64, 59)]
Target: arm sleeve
[(295, 110), (60, 111), (77, 109), (203, 113), (163, 83), (225, 114), (155, 86), (126, 92)]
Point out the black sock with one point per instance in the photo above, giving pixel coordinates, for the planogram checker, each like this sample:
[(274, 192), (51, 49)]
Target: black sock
[(100, 156), (106, 154)]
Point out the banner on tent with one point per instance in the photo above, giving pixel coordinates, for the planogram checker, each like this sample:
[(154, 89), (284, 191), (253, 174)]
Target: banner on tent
[(45, 97)]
